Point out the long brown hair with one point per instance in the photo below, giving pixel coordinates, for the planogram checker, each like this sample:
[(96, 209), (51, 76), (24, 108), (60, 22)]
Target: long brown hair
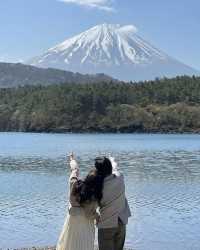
[(91, 188)]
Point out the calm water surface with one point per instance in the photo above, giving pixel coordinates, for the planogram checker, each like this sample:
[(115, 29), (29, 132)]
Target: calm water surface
[(162, 175)]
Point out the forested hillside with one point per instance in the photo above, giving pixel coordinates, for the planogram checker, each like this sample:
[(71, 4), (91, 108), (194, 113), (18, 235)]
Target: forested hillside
[(165, 105), (17, 74)]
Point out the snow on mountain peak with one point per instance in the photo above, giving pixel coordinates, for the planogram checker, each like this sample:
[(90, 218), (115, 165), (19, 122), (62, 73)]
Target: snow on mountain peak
[(108, 44), (114, 28), (105, 48)]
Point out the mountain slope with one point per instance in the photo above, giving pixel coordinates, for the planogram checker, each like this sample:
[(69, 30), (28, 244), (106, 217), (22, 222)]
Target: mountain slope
[(114, 50), (17, 74)]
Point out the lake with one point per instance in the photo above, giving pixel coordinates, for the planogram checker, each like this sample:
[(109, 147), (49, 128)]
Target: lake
[(162, 174)]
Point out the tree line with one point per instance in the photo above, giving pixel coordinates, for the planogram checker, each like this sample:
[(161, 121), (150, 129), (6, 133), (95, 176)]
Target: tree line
[(163, 105)]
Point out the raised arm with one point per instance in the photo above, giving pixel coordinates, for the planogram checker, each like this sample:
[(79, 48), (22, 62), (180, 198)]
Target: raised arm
[(73, 181), (114, 166), (74, 169)]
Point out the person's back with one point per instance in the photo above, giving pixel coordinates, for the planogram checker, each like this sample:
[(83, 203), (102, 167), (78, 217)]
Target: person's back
[(114, 209), (78, 232)]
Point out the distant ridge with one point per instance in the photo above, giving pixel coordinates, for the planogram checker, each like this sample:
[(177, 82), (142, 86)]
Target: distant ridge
[(17, 74), (115, 50)]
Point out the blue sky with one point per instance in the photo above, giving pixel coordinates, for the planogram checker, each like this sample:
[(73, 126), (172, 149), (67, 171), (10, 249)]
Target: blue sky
[(29, 27)]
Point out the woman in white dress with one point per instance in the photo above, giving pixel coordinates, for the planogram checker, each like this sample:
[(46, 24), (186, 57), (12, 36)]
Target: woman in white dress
[(78, 232)]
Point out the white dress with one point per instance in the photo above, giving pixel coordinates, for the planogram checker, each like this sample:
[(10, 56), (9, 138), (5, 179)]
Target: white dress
[(78, 232)]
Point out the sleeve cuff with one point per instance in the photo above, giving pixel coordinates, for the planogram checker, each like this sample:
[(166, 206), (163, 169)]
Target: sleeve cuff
[(74, 174)]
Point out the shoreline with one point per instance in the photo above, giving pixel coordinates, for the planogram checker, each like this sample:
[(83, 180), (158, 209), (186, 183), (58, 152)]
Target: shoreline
[(105, 132), (49, 248)]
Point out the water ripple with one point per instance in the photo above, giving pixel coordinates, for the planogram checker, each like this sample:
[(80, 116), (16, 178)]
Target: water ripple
[(163, 189)]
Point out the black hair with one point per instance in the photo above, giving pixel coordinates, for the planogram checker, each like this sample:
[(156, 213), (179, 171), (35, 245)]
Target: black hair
[(91, 188), (103, 166)]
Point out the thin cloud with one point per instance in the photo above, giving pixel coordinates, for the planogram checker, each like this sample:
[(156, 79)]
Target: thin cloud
[(7, 59), (105, 5)]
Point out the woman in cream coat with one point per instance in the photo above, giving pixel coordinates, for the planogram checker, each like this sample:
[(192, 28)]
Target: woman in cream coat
[(78, 232)]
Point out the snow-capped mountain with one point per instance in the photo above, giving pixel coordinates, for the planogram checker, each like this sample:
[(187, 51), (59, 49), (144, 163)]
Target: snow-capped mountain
[(114, 50)]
